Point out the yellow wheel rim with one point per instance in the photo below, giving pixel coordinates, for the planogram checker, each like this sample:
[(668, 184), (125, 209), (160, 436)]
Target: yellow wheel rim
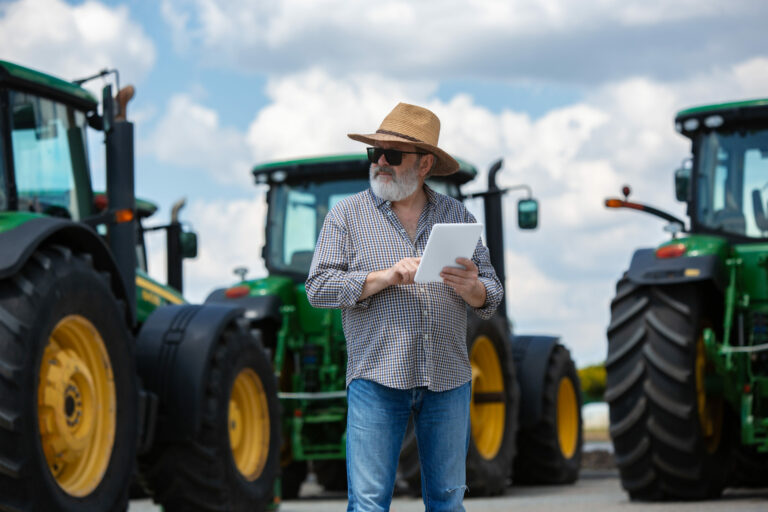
[(710, 408), (567, 418), (76, 406), (487, 408), (248, 423)]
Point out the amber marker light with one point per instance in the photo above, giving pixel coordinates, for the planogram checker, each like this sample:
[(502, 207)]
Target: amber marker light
[(614, 203), (237, 291), (123, 216), (671, 251)]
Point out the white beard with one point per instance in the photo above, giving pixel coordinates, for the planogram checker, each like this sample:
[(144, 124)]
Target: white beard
[(396, 189)]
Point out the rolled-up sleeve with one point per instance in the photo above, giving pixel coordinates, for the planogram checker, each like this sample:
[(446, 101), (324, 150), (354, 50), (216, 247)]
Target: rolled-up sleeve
[(494, 290), (330, 284)]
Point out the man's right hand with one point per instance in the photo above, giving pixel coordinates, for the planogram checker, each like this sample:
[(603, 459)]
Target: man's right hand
[(401, 272)]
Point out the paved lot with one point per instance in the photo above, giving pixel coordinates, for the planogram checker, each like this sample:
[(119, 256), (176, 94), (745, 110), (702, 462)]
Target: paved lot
[(596, 491)]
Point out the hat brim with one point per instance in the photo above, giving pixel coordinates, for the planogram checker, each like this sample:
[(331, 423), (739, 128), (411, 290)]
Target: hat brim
[(445, 164)]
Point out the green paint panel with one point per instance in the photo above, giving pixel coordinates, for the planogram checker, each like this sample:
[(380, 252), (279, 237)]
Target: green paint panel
[(754, 274), (45, 80), (701, 245), (314, 321), (151, 294), (721, 106), (12, 220), (273, 285)]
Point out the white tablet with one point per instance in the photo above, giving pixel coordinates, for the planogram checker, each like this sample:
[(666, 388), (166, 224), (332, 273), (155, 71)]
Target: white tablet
[(446, 243)]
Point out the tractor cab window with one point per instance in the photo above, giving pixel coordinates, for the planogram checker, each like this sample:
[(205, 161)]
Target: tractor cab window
[(296, 216), (49, 156), (732, 183), (297, 213)]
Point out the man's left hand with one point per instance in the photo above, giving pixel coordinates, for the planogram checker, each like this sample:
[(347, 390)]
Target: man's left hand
[(464, 282)]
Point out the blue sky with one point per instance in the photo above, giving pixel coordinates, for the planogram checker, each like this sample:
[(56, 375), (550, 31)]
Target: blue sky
[(577, 97)]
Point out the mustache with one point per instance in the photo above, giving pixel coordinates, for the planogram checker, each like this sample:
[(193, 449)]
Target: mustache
[(383, 170)]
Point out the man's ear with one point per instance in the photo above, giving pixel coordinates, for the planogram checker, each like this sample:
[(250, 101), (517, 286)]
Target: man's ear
[(425, 164)]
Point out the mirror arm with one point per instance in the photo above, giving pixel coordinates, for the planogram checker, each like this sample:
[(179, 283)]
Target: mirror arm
[(620, 203)]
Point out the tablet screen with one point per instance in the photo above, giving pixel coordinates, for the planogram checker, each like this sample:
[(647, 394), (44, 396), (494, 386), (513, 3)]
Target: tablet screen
[(446, 243)]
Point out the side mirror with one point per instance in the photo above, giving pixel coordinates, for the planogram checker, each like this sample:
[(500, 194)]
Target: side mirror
[(527, 214), (683, 184), (188, 244)]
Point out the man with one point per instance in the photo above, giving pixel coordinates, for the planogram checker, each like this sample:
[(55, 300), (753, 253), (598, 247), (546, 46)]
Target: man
[(406, 342)]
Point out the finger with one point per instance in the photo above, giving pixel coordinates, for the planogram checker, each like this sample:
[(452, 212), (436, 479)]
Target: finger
[(465, 262)]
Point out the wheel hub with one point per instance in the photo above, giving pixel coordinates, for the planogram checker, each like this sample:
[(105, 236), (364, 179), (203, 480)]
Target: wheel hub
[(487, 408), (76, 405), (248, 424)]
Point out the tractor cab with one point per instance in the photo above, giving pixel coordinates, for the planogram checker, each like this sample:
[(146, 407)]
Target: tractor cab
[(726, 185), (46, 167), (301, 192)]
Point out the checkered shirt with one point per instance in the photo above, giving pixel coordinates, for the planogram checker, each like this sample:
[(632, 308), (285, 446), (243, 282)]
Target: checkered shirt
[(404, 336)]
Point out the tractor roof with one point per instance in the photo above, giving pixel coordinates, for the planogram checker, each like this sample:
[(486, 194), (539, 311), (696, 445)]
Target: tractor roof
[(144, 208), (719, 114), (334, 167), (46, 85)]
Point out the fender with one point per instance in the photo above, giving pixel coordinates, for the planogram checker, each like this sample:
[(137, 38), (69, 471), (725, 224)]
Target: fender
[(531, 355), (173, 354), (19, 243), (257, 307), (646, 268)]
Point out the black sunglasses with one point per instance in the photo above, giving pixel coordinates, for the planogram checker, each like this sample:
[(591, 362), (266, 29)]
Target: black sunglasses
[(393, 156)]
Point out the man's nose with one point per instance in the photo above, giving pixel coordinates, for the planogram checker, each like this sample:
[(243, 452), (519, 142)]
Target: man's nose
[(383, 160)]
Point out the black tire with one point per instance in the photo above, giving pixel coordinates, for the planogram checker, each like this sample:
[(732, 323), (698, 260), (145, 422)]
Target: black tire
[(57, 289), (550, 451), (493, 412), (332, 474), (292, 475), (205, 473), (660, 446)]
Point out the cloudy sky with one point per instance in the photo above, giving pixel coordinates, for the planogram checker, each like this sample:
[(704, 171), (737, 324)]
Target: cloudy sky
[(577, 97)]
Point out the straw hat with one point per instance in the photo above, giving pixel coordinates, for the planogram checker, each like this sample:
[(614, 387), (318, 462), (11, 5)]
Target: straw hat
[(414, 125)]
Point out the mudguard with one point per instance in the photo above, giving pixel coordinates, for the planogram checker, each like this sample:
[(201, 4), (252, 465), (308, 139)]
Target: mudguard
[(257, 307), (531, 355), (173, 355), (18, 244), (646, 268)]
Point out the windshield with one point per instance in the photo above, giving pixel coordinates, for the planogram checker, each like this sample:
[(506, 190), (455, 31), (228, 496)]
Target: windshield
[(732, 183), (49, 156), (297, 212)]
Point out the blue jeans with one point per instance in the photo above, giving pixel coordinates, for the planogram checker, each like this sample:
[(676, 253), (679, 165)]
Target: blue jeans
[(377, 417)]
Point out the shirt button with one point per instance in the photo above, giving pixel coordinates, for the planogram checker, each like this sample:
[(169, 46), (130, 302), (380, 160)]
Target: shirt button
[(426, 337), (426, 313)]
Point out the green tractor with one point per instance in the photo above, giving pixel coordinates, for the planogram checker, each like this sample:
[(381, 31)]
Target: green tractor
[(687, 366), (107, 376), (526, 416)]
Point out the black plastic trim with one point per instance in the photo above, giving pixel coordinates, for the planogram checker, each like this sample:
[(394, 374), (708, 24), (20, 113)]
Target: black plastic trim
[(173, 356), (646, 268), (18, 244)]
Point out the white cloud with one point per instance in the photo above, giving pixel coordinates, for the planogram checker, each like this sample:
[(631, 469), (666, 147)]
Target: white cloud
[(74, 41), (589, 41), (191, 135), (311, 112)]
